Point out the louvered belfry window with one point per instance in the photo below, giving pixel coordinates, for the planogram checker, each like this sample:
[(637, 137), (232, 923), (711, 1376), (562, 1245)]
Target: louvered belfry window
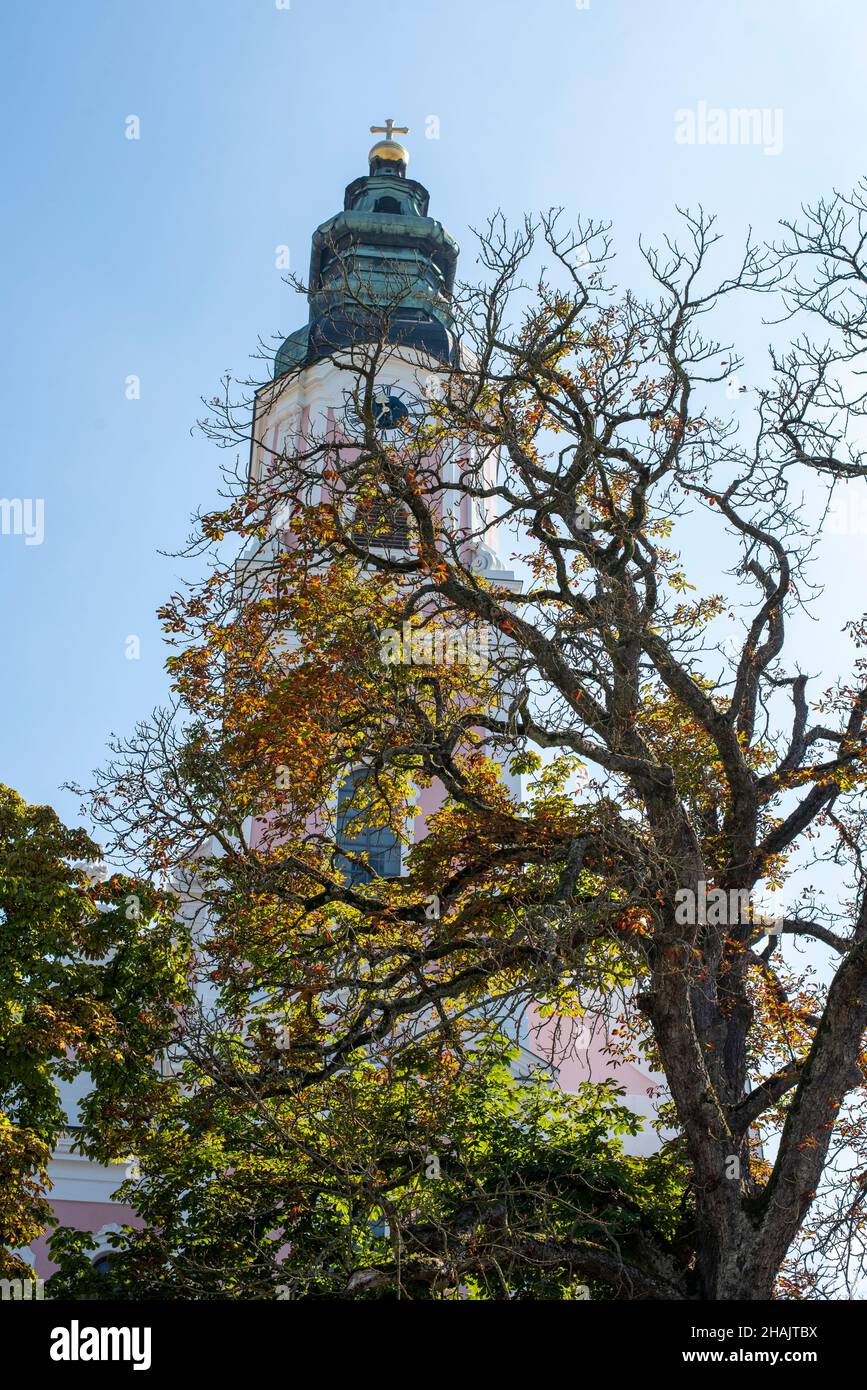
[(381, 522)]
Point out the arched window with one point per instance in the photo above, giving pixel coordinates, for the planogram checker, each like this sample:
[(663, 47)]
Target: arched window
[(378, 846), (387, 205)]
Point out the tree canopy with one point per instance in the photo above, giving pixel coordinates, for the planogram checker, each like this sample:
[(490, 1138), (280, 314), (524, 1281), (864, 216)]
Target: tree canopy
[(353, 1024), (89, 974)]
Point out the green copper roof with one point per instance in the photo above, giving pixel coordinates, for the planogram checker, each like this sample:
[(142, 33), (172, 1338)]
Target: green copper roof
[(382, 249)]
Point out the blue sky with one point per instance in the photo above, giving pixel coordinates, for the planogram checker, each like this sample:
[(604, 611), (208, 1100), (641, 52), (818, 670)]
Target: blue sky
[(155, 257)]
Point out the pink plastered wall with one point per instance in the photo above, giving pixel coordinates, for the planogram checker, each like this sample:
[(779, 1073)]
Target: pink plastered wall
[(83, 1216)]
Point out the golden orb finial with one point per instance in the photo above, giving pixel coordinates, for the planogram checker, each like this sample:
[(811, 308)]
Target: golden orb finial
[(389, 148)]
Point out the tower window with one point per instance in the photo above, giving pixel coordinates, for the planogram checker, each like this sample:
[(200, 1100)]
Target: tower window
[(378, 846), (387, 205), (382, 525)]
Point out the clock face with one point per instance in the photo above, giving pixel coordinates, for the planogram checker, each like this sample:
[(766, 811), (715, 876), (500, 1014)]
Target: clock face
[(396, 411)]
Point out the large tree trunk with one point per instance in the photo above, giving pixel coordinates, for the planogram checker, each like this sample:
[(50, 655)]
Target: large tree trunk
[(732, 1264)]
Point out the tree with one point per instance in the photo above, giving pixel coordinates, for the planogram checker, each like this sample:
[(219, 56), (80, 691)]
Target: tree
[(429, 1175), (712, 780), (87, 971)]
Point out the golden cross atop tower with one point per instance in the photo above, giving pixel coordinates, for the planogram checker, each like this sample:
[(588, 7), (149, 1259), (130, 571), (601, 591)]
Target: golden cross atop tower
[(388, 129)]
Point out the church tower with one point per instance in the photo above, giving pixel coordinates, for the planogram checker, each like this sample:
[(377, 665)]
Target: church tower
[(381, 278)]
